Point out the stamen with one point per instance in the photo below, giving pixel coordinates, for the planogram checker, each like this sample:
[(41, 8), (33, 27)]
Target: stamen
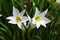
[(18, 19), (37, 18)]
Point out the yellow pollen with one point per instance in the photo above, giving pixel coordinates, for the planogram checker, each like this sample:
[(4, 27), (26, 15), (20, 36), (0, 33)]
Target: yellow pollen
[(18, 19), (37, 18)]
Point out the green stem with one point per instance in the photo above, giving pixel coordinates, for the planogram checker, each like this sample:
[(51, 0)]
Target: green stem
[(29, 31), (18, 33), (23, 34), (29, 36)]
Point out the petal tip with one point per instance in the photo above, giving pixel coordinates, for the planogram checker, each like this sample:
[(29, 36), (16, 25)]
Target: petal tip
[(0, 15)]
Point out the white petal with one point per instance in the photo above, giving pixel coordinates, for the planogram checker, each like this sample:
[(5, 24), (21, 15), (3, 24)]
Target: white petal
[(38, 25), (19, 25), (47, 20), (12, 22), (25, 23), (28, 24), (37, 12), (58, 1), (33, 21), (43, 25), (0, 15), (11, 18), (43, 22), (29, 17), (22, 12), (44, 12), (15, 12), (25, 19)]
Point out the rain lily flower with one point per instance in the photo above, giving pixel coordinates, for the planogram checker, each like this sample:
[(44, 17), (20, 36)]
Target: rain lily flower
[(39, 18), (58, 1), (18, 18)]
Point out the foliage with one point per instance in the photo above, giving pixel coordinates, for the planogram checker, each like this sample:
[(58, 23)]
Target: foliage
[(12, 32)]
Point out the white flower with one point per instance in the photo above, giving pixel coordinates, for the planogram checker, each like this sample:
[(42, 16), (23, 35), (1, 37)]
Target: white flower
[(39, 18), (0, 15), (58, 1), (18, 18)]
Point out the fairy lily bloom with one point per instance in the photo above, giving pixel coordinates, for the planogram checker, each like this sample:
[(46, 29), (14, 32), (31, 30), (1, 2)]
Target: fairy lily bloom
[(39, 18), (58, 1), (18, 18)]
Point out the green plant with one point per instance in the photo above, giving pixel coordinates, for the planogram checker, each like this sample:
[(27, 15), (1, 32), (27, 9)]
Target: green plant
[(12, 32)]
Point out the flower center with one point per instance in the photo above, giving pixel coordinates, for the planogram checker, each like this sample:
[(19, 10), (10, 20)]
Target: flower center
[(18, 19), (37, 18)]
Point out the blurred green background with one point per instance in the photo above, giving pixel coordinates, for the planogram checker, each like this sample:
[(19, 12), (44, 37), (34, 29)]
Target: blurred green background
[(12, 32)]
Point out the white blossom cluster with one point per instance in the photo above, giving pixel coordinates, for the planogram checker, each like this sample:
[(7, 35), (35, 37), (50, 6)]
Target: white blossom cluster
[(19, 18)]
